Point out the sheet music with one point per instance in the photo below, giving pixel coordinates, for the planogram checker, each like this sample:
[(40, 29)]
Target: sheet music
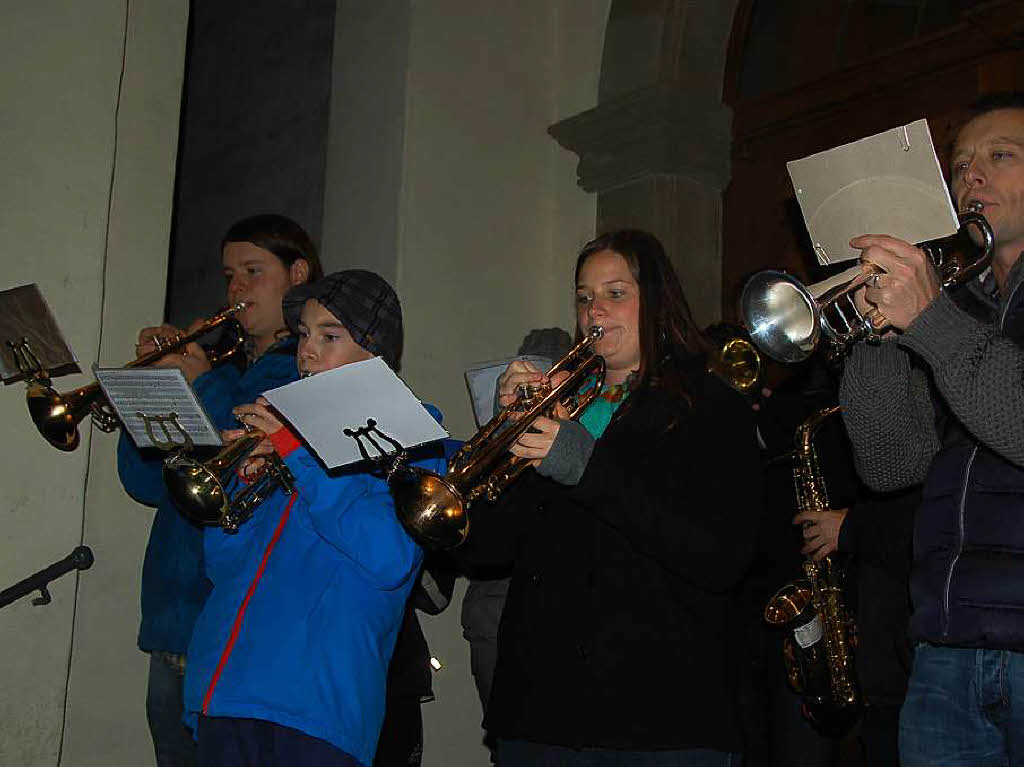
[(164, 398), (321, 407), (889, 183), (25, 316)]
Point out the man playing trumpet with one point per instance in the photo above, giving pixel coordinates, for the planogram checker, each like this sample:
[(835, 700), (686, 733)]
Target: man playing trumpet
[(263, 256), (940, 401)]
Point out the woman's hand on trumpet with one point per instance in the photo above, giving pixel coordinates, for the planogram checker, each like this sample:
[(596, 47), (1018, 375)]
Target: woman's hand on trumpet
[(518, 372), (905, 286), (535, 443), (190, 360)]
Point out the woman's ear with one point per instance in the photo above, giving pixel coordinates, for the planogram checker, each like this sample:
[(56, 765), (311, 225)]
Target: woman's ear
[(298, 272)]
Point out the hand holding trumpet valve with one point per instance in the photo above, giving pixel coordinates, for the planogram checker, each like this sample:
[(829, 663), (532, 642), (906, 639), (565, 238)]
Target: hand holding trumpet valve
[(191, 359), (257, 417), (516, 383), (899, 280)]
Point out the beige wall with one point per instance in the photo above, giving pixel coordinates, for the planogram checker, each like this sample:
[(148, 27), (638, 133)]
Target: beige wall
[(490, 221), (490, 216), (60, 94)]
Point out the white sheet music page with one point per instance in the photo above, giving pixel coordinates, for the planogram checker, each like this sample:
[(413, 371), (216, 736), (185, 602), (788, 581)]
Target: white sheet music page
[(889, 183), (162, 398), (322, 406)]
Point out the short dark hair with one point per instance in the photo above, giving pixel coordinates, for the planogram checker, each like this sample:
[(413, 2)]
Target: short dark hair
[(671, 344), (994, 101), (279, 235)]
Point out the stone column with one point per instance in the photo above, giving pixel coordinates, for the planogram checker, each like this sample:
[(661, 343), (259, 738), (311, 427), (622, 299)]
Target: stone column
[(656, 148)]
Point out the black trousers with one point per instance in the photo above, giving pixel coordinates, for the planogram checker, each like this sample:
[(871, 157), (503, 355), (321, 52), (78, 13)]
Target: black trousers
[(401, 735)]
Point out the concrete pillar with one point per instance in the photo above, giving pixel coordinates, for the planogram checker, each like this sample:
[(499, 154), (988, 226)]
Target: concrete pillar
[(656, 148)]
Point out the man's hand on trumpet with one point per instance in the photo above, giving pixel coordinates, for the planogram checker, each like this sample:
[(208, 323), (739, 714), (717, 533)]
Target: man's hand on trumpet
[(904, 288), (191, 360)]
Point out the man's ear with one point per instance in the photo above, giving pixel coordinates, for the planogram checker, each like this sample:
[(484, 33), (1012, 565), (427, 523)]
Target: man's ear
[(298, 272)]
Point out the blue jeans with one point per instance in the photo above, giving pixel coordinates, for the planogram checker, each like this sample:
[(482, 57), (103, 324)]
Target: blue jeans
[(172, 740), (963, 707), (523, 753)]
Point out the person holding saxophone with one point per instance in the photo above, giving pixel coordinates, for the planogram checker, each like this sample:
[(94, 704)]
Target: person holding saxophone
[(627, 541), (263, 257), (940, 400)]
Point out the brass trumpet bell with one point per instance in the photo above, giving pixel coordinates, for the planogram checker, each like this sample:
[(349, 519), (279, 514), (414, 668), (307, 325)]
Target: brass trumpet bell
[(431, 507), (434, 509), (199, 489), (57, 415)]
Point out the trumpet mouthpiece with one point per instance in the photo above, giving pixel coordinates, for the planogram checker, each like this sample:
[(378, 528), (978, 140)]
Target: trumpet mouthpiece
[(975, 206), (238, 306), (596, 331)]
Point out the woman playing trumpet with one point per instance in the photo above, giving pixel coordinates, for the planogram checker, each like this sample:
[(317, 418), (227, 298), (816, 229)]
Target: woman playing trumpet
[(626, 541)]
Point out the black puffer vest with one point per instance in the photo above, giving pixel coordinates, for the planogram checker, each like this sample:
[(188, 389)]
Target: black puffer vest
[(967, 586)]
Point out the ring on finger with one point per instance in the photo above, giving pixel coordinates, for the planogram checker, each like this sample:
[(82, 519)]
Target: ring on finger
[(876, 318)]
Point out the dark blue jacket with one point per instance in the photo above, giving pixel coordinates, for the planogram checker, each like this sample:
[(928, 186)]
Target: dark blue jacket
[(967, 585), (174, 585)]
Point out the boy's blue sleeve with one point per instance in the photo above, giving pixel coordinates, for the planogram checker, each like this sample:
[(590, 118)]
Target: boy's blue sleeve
[(356, 514)]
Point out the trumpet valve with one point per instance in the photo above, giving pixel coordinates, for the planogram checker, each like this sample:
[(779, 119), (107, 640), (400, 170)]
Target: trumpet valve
[(529, 394)]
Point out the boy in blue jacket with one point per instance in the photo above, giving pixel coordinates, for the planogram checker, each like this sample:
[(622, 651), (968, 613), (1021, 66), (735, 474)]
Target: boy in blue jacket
[(289, 658)]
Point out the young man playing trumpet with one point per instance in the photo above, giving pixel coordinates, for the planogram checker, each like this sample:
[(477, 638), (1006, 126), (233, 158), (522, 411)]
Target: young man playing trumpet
[(263, 256), (940, 401), (289, 658)]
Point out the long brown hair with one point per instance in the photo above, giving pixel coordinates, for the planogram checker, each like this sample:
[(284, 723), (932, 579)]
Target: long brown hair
[(672, 346)]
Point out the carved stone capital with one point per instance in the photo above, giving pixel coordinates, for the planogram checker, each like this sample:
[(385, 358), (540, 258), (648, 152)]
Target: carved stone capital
[(657, 130)]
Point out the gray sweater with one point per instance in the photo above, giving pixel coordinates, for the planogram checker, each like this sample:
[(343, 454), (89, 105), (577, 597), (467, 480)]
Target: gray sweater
[(976, 369)]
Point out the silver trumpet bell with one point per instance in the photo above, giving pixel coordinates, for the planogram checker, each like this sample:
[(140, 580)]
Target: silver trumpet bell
[(786, 319)]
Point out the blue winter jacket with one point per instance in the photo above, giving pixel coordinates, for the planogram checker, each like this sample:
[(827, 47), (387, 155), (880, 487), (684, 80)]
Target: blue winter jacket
[(174, 585), (308, 597)]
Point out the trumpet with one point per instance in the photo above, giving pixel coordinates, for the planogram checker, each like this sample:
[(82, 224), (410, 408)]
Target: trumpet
[(199, 489), (57, 415), (787, 319), (433, 508)]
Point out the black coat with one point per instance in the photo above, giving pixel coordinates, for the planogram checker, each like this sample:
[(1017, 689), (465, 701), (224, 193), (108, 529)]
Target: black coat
[(616, 629)]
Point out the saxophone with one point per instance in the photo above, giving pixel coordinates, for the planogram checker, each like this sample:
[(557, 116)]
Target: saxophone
[(819, 652)]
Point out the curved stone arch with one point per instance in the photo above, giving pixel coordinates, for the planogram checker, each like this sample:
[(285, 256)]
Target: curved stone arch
[(656, 149)]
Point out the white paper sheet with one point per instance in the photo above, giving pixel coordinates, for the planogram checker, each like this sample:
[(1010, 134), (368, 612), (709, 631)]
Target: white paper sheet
[(162, 397), (889, 183), (321, 407)]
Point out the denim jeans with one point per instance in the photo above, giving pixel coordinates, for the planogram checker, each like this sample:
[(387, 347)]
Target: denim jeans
[(172, 740), (523, 753), (963, 707)]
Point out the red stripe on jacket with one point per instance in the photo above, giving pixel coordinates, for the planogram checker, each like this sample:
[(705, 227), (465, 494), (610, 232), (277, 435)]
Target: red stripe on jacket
[(236, 628)]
